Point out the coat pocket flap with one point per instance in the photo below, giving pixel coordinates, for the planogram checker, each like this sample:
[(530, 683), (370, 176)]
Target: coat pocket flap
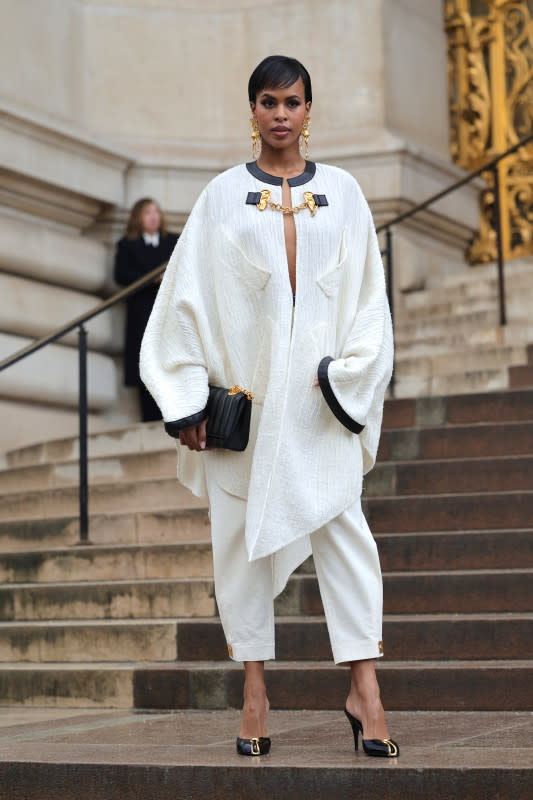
[(330, 279), (232, 256)]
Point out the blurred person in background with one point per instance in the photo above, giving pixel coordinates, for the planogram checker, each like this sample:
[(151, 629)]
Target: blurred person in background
[(145, 245)]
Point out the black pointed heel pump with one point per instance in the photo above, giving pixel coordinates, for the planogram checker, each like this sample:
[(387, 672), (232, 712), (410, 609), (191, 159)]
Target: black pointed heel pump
[(385, 748), (256, 746)]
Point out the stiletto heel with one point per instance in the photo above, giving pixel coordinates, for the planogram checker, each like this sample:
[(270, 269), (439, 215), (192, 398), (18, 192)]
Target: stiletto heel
[(256, 746), (356, 727), (386, 748)]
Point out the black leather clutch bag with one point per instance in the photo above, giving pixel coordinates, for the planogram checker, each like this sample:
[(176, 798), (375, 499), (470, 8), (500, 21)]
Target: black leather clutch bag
[(229, 412)]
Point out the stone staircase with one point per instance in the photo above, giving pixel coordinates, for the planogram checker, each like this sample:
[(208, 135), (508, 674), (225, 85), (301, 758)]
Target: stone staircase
[(129, 621), (448, 337)]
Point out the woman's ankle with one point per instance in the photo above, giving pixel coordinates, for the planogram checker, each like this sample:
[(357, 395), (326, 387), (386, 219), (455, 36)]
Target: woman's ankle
[(256, 703), (254, 715), (254, 689), (364, 682), (367, 690)]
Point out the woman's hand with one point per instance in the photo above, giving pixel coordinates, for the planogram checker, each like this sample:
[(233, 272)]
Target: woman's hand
[(195, 437)]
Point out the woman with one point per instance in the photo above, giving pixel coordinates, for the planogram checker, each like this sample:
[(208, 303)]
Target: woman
[(277, 285), (146, 245)]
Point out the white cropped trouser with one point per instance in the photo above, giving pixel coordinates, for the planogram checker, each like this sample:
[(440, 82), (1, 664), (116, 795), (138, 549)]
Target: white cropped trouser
[(348, 571)]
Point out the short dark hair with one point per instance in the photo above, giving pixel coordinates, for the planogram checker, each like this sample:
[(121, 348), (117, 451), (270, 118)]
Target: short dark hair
[(278, 72)]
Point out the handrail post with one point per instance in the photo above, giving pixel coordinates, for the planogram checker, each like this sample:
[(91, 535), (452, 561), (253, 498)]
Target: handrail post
[(82, 410), (499, 242), (390, 292)]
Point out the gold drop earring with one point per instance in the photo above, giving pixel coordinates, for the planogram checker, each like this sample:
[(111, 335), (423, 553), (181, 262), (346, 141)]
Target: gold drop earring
[(256, 138), (304, 138)]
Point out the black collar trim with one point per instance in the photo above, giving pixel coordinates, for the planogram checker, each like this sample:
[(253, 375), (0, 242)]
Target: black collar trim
[(266, 177)]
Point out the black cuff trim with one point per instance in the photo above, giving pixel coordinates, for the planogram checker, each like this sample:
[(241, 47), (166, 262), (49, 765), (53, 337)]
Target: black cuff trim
[(331, 400), (173, 428)]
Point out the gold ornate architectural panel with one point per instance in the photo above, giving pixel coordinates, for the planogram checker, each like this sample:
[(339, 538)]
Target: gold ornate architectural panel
[(490, 77)]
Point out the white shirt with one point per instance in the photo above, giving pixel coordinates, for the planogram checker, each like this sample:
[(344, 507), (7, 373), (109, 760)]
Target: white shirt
[(152, 239)]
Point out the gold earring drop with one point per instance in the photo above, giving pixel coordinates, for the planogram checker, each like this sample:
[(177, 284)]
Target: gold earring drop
[(304, 138), (256, 138)]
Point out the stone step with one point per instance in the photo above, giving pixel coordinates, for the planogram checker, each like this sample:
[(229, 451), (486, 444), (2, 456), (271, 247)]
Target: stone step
[(57, 474), (479, 273), (457, 636), (475, 359), (162, 464), (179, 597), (437, 591), (508, 406), (143, 495), (143, 437), (429, 637), (466, 290), (400, 552), (118, 755), (482, 549), (521, 376), (453, 475), (418, 306), (108, 562), (428, 592), (63, 685), (442, 338), (456, 550), (482, 380), (120, 454), (89, 641), (424, 685), (472, 291), (164, 525), (449, 512), (484, 440), (464, 308), (468, 321)]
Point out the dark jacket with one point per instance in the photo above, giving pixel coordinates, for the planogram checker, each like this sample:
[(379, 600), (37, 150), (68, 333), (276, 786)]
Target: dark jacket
[(134, 259)]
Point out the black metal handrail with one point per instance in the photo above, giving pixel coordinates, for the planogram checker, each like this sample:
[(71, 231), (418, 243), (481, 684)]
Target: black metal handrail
[(490, 166), (79, 322), (83, 409), (457, 185)]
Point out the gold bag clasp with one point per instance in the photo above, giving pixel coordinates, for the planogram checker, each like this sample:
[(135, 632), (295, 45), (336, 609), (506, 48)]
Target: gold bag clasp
[(236, 389)]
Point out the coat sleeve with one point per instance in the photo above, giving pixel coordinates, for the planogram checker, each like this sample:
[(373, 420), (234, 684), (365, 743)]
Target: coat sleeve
[(354, 384), (173, 364)]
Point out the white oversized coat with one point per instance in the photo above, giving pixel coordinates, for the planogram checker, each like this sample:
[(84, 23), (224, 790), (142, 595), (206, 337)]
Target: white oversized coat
[(223, 315)]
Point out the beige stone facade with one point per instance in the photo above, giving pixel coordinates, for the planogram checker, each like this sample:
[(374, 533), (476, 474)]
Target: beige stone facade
[(102, 101)]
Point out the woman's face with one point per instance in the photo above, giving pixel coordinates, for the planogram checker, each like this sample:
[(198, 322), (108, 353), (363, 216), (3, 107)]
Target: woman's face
[(150, 218), (280, 114)]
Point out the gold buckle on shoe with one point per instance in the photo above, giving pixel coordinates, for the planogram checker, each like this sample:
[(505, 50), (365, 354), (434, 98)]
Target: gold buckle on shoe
[(393, 750), (254, 743)]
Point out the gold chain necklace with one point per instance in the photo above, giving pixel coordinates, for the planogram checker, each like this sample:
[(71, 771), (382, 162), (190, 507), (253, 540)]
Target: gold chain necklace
[(309, 202), (287, 209)]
